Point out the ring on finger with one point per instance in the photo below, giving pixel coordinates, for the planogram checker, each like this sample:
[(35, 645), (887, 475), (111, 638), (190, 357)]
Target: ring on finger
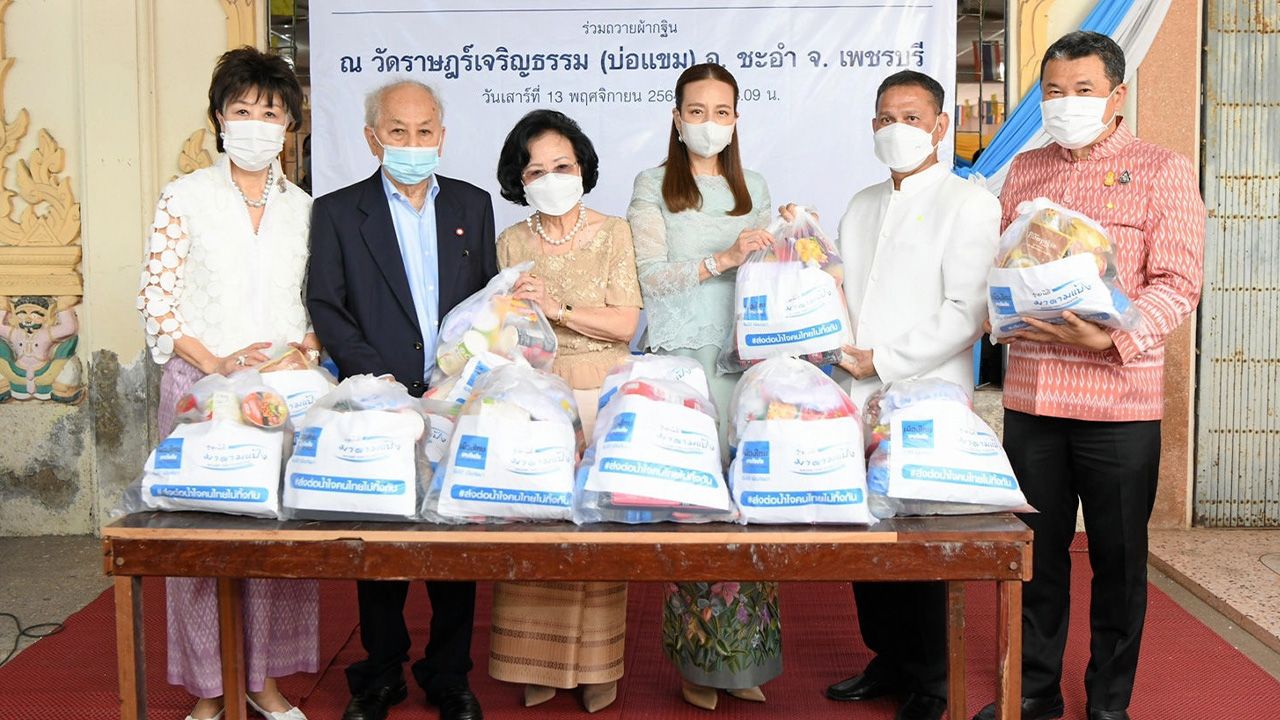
[(240, 361)]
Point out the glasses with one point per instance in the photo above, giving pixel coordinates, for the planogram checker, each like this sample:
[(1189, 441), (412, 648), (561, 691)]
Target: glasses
[(532, 174)]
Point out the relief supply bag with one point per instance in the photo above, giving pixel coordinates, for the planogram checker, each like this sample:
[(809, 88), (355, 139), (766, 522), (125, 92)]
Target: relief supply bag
[(1052, 259), (299, 381), (223, 455), (493, 321), (512, 453), (797, 447), (655, 457), (789, 300), (359, 453), (930, 454)]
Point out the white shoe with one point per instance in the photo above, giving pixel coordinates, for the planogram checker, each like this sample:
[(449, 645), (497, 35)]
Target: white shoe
[(215, 717), (292, 713)]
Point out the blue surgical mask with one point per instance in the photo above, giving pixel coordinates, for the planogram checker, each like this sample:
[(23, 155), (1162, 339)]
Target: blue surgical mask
[(409, 165)]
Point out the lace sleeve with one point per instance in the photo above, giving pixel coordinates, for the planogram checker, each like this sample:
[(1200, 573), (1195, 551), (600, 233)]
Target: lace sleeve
[(162, 278), (659, 277)]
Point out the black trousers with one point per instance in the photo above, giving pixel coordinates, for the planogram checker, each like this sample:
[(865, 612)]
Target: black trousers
[(386, 639), (1110, 469), (905, 625)]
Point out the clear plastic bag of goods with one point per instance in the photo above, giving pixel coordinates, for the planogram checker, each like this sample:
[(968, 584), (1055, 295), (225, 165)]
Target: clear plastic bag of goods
[(223, 455), (1050, 260), (359, 454), (797, 448), (789, 300), (512, 453), (655, 457), (301, 382), (493, 321), (930, 454)]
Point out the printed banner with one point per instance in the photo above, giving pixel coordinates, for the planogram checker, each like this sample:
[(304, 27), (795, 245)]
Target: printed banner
[(807, 71)]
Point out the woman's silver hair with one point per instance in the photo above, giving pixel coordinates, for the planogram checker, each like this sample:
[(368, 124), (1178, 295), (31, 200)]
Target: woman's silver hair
[(373, 101)]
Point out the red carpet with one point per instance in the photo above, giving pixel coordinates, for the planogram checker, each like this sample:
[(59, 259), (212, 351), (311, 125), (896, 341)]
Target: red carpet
[(1187, 671)]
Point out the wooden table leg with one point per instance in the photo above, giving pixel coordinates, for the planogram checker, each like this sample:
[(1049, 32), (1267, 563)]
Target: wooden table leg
[(1009, 649), (955, 651), (131, 658), (231, 635)]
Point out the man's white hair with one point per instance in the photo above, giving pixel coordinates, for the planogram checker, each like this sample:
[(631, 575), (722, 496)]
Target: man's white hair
[(373, 101)]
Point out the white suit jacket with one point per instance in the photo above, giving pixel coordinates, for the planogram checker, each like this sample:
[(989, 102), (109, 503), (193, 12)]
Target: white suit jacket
[(916, 262)]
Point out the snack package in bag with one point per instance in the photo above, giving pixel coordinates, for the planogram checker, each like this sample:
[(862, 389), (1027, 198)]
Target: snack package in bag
[(359, 453), (655, 457), (930, 454), (1052, 259), (789, 300), (457, 388), (224, 454), (797, 447), (441, 418), (653, 367), (512, 453), (300, 382), (492, 321)]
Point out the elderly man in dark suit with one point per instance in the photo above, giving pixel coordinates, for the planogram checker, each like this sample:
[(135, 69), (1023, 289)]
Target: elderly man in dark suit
[(390, 255)]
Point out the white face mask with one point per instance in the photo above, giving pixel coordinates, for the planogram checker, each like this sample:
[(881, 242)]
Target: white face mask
[(1075, 121), (252, 144), (904, 147), (554, 194), (706, 139)]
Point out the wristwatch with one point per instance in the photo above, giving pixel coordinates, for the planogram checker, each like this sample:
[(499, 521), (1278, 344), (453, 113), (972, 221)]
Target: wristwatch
[(709, 262)]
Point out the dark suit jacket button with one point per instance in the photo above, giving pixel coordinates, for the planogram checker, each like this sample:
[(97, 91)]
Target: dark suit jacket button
[(417, 346), (417, 384)]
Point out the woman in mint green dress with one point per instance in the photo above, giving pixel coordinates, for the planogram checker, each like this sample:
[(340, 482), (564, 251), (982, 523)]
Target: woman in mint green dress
[(694, 220)]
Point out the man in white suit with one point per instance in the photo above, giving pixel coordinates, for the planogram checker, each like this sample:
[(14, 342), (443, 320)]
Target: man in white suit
[(916, 251)]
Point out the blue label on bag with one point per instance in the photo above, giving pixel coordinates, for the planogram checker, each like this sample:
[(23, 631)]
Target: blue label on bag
[(959, 476), (348, 485), (473, 452), (917, 434), (793, 336), (795, 498), (306, 441), (510, 496), (623, 426), (1002, 300), (755, 307), (755, 457), (220, 493), (169, 454)]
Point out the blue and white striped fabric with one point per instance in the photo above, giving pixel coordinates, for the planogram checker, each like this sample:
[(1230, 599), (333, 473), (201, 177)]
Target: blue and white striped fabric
[(1131, 23)]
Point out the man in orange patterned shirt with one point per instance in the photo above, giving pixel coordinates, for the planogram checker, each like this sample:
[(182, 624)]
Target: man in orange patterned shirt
[(1082, 402)]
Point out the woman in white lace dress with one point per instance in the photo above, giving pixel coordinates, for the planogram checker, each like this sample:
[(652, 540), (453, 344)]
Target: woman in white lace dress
[(694, 219), (222, 290)]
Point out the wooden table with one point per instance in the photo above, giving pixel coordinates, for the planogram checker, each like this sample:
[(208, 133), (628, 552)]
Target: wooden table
[(951, 549)]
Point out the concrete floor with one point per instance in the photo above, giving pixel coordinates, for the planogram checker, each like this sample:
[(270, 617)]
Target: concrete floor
[(46, 579)]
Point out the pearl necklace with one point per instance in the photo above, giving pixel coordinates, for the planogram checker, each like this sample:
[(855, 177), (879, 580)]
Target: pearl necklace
[(534, 222), (266, 190)]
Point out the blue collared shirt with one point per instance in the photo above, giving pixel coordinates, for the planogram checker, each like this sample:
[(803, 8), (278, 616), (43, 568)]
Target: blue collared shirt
[(416, 235)]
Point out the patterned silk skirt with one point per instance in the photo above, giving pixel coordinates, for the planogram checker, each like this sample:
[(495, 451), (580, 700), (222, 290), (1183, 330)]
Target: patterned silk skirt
[(559, 634), (724, 634), (281, 617)]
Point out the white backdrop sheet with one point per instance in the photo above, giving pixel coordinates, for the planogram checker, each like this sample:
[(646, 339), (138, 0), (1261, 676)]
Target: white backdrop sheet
[(807, 69)]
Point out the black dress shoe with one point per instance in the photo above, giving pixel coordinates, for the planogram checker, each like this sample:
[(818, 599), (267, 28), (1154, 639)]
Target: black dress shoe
[(457, 703), (1095, 714), (860, 687), (374, 704), (1041, 708), (922, 707)]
